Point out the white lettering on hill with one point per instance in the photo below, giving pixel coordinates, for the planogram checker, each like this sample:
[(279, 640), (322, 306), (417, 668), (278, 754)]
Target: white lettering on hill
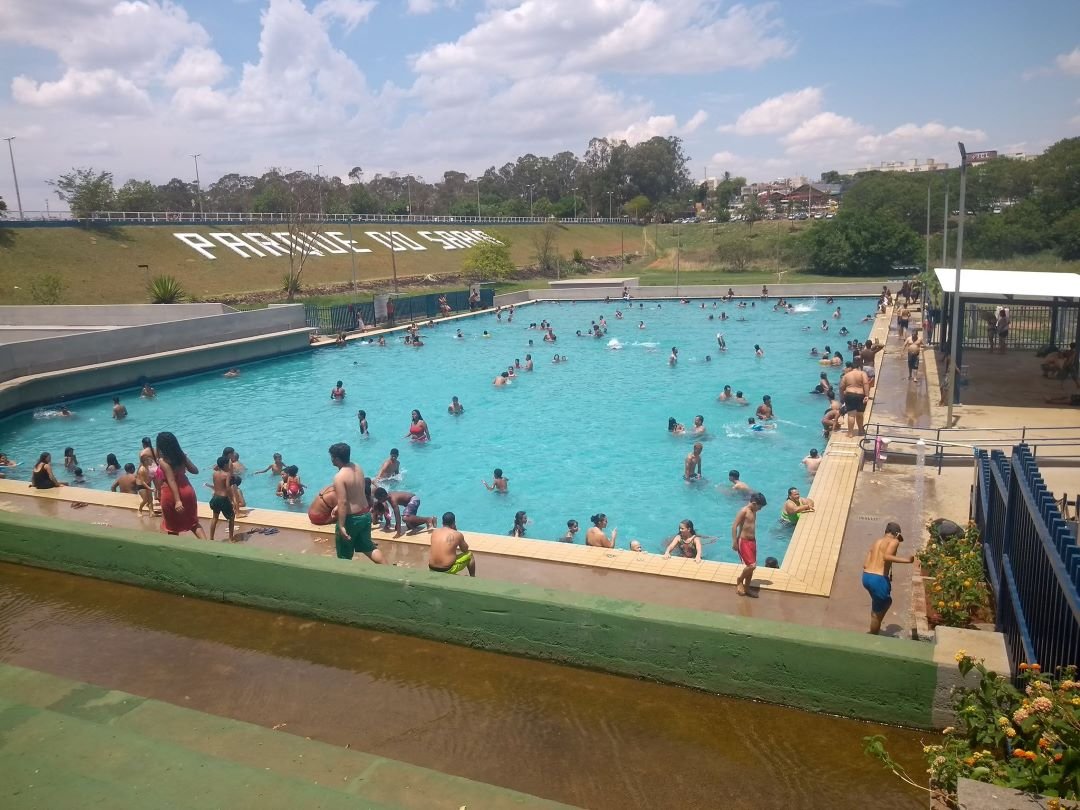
[(256, 245)]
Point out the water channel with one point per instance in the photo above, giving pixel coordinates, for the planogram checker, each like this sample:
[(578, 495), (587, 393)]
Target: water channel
[(585, 738)]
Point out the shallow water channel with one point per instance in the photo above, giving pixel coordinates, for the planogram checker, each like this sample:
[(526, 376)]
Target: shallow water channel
[(585, 738)]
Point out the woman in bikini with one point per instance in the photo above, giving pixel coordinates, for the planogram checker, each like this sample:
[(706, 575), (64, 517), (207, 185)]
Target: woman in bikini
[(686, 542), (323, 509), (179, 510), (418, 430), (42, 477), (148, 457)]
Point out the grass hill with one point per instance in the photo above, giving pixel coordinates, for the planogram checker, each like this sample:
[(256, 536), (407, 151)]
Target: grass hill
[(100, 265)]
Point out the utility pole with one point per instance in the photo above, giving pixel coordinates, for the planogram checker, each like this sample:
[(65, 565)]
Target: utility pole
[(610, 194), (945, 230), (953, 342), (198, 186), (478, 198), (530, 187), (927, 230), (11, 154), (575, 203), (318, 185)]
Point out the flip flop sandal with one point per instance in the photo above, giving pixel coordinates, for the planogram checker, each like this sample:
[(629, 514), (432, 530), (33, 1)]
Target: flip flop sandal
[(78, 504)]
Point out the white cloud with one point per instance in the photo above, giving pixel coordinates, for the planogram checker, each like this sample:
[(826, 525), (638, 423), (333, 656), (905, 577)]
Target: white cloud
[(723, 158), (197, 67), (826, 127), (695, 122), (1069, 63), (350, 12), (778, 114), (103, 91), (908, 138), (428, 6)]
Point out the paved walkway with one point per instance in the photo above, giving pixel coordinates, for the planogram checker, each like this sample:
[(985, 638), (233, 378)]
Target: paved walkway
[(70, 744)]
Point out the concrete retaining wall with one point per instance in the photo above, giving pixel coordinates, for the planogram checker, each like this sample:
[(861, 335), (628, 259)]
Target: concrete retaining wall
[(589, 291), (886, 680), (53, 354), (106, 316)]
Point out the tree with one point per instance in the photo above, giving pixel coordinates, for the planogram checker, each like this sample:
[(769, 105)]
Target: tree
[(638, 207), (1066, 236), (356, 174), (546, 249), (85, 190), (752, 212), (1057, 174), (859, 243), (138, 195), (831, 176), (178, 195), (489, 260)]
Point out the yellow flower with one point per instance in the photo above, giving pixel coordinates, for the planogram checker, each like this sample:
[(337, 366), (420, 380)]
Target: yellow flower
[(940, 604), (967, 583), (960, 655), (1010, 732)]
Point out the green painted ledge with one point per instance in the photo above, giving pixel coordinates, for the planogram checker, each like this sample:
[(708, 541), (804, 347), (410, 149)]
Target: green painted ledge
[(69, 744), (882, 679)]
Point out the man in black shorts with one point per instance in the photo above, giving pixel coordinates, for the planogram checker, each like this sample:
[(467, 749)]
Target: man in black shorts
[(855, 391)]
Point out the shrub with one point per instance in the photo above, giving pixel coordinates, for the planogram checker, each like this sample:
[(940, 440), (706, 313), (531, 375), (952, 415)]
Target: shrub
[(165, 290), (290, 284), (958, 593), (1027, 739), (48, 288), (578, 256)]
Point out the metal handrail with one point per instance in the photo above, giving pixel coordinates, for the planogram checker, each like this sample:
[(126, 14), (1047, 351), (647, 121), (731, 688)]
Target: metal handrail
[(217, 217), (938, 445)]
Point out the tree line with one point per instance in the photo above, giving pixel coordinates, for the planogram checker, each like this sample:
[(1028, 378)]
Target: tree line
[(606, 179)]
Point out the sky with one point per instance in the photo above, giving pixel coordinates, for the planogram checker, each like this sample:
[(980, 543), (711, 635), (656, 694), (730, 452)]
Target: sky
[(763, 90)]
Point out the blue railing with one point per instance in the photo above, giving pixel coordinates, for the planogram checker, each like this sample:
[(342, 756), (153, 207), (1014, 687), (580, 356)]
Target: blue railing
[(347, 317), (1032, 559)]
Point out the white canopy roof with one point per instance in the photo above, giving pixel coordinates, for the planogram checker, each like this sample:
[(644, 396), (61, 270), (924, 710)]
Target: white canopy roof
[(1010, 283)]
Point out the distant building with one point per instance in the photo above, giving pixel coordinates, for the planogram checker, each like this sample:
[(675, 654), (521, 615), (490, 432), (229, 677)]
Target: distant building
[(908, 166)]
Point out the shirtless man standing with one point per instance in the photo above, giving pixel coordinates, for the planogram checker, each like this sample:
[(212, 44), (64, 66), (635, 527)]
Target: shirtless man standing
[(913, 347), (449, 552), (854, 391), (902, 319), (354, 512), (877, 573), (744, 541), (867, 355), (692, 465)]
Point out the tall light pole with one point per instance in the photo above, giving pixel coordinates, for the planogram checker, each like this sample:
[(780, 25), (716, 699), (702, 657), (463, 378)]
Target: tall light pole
[(198, 185), (11, 154), (945, 228), (575, 203), (478, 198), (927, 229), (530, 187), (610, 194), (318, 185), (953, 343)]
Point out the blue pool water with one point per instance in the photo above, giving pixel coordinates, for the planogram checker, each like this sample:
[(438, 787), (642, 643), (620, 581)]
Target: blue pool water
[(574, 439)]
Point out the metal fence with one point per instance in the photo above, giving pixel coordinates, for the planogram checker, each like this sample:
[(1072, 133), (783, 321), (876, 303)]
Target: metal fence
[(1032, 559), (347, 317), (1030, 326), (250, 217)]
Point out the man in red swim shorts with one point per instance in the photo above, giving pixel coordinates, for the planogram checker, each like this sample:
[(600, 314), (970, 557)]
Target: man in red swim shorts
[(744, 541)]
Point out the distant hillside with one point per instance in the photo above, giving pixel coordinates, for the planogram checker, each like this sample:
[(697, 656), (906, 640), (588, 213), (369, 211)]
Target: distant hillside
[(102, 265)]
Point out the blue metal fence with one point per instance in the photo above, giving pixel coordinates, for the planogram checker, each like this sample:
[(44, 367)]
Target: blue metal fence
[(347, 317), (1032, 559)]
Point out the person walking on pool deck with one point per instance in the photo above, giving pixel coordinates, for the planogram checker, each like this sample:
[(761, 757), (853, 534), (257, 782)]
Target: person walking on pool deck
[(913, 347), (744, 541), (450, 553), (179, 509), (877, 573), (353, 531), (220, 502)]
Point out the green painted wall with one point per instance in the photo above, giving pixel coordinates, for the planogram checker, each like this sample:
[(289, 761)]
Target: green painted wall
[(886, 680)]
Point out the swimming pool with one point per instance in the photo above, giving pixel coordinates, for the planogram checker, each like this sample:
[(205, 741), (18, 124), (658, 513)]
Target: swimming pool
[(574, 439)]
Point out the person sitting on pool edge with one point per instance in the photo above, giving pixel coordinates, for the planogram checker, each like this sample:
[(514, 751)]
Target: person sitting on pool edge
[(449, 552)]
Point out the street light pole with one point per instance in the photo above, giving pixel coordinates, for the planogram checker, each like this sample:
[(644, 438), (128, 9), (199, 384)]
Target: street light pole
[(11, 154), (953, 343), (945, 228), (478, 198), (318, 185), (610, 194), (927, 229), (530, 187), (575, 203), (393, 260), (198, 186)]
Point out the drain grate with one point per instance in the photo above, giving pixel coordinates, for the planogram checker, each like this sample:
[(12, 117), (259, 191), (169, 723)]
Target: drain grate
[(868, 517)]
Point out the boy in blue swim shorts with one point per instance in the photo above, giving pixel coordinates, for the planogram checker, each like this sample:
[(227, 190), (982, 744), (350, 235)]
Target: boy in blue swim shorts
[(877, 573)]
